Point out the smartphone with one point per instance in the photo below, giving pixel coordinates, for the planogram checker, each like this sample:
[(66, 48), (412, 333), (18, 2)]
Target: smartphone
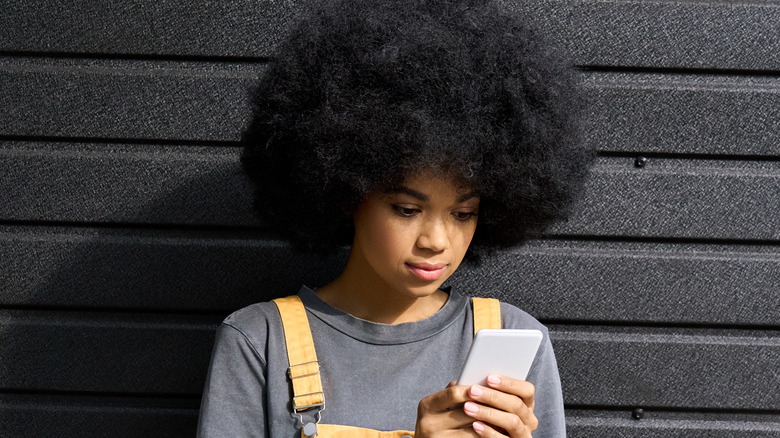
[(507, 352)]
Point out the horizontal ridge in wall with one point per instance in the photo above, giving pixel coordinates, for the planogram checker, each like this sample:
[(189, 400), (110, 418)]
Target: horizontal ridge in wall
[(125, 99), (652, 423), (680, 369), (181, 101), (701, 34), (38, 415), (215, 272), (665, 198)]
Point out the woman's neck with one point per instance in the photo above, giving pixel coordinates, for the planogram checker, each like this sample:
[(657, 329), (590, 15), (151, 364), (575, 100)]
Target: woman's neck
[(375, 301)]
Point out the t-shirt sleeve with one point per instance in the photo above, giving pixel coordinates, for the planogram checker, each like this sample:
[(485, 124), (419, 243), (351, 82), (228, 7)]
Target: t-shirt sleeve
[(548, 399), (233, 397)]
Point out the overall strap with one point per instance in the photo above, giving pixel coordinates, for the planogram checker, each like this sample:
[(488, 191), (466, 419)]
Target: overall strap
[(331, 430), (487, 313), (304, 370)]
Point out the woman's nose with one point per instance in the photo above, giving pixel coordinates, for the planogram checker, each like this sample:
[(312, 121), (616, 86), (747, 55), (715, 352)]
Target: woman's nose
[(433, 236)]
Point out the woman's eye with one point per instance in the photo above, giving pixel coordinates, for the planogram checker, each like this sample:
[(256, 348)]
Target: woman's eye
[(405, 211), (464, 216)]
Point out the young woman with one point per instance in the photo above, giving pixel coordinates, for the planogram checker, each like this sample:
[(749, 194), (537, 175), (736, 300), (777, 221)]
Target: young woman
[(422, 133)]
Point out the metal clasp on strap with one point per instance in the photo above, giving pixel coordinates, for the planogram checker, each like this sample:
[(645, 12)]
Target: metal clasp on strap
[(297, 408), (290, 370)]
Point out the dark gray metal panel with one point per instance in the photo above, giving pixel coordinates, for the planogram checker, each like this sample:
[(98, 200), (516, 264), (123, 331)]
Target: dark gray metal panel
[(179, 27), (104, 353), (131, 269), (119, 183), (670, 368), (667, 34), (124, 99), (182, 185), (552, 280), (201, 101), (38, 418), (672, 198), (44, 416), (726, 35), (78, 352), (634, 282), (581, 425), (683, 113)]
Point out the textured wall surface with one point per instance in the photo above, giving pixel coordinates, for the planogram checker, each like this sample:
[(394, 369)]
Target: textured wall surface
[(126, 233)]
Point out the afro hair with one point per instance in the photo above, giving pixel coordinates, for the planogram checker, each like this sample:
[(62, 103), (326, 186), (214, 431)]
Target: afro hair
[(363, 93)]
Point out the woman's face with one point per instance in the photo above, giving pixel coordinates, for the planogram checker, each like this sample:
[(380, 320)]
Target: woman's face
[(411, 238)]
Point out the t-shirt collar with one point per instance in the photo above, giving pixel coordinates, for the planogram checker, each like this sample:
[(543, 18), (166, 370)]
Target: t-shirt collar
[(385, 334)]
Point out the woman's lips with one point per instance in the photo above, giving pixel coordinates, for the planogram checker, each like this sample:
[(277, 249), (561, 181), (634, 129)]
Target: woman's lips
[(427, 271)]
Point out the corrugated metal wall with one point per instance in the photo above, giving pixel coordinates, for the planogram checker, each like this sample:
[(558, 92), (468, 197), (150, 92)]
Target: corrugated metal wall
[(126, 233)]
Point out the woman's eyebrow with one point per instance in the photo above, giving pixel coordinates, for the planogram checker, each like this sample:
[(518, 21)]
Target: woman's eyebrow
[(467, 196), (406, 190), (424, 198)]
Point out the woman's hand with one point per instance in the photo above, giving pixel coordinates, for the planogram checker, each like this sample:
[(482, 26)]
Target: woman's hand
[(503, 408), (442, 412)]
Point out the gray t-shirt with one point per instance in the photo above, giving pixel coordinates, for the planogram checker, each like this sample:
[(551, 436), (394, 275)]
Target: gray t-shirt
[(373, 375)]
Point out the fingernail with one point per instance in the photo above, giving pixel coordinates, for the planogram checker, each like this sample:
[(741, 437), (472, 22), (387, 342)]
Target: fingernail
[(495, 380), (475, 391), (471, 408), (478, 427)]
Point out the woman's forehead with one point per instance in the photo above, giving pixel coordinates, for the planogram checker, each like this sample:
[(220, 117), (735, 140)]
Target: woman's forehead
[(426, 184), (430, 177)]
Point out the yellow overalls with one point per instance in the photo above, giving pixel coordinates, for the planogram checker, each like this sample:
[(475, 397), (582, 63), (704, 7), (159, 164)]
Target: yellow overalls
[(304, 370)]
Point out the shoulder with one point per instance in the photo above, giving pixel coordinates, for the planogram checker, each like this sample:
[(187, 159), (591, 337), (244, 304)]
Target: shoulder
[(255, 323), (515, 318), (249, 316)]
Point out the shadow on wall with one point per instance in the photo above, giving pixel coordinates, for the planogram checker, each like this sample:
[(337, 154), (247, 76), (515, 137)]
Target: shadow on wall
[(107, 330)]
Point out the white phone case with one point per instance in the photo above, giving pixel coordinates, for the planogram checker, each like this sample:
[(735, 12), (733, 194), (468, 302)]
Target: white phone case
[(507, 352)]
